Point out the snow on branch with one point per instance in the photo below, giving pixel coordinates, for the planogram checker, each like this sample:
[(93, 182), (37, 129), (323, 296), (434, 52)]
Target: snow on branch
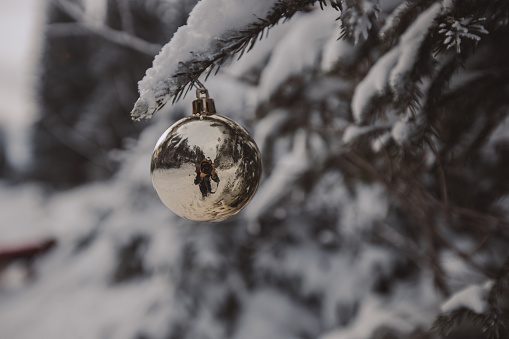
[(454, 30), (392, 69), (214, 33), (473, 297), (357, 19)]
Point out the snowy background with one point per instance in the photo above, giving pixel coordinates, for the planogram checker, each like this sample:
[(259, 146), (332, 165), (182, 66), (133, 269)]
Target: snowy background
[(322, 251)]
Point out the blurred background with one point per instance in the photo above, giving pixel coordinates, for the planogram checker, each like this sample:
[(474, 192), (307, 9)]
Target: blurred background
[(328, 248)]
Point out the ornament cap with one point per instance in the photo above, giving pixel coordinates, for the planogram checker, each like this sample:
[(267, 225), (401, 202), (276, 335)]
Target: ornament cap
[(203, 105)]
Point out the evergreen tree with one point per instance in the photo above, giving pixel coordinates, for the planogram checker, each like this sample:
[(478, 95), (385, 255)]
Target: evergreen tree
[(401, 116), (383, 209)]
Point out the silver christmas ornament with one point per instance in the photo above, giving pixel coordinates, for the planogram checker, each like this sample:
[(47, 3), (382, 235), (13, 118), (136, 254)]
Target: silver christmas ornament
[(205, 167)]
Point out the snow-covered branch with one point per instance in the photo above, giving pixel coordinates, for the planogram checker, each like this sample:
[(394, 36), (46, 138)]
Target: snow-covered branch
[(454, 30), (215, 32)]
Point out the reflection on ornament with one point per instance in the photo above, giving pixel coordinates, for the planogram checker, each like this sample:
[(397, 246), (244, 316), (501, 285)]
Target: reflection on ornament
[(205, 167)]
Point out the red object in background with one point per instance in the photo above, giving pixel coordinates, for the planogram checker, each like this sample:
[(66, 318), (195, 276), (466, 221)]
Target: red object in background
[(27, 251)]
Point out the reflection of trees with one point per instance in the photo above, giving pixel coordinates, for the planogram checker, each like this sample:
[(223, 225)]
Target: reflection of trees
[(238, 149), (175, 151)]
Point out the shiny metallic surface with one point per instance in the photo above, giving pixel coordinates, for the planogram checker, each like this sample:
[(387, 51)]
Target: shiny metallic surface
[(206, 169)]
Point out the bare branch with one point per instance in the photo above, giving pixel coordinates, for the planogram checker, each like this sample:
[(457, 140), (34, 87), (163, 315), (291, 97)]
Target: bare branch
[(82, 26), (443, 184), (118, 37)]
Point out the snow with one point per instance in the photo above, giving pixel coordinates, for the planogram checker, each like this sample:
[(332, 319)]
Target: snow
[(392, 68), (358, 18), (257, 57), (303, 42), (72, 294), (286, 171), (472, 297), (461, 29), (369, 205), (198, 36), (409, 46), (393, 18), (399, 313), (352, 132), (329, 193), (373, 84), (95, 11), (401, 131), (380, 142), (500, 134), (269, 126), (335, 51), (271, 315), (20, 23), (448, 5)]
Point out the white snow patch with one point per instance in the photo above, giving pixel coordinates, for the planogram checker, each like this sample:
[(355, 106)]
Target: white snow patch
[(368, 206), (500, 134), (269, 125), (391, 19), (299, 49), (352, 132), (95, 11), (401, 131), (374, 310), (287, 170), (448, 4), (400, 313), (373, 84), (360, 19), (272, 315), (336, 51), (472, 297), (409, 46), (380, 142), (20, 42), (391, 68), (262, 51), (198, 37)]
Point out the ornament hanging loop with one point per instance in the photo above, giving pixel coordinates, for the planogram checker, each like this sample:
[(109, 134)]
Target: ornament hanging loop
[(203, 105)]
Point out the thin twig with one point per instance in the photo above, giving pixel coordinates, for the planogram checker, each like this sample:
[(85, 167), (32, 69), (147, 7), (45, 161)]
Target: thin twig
[(81, 26), (464, 256), (126, 16), (117, 37), (443, 184)]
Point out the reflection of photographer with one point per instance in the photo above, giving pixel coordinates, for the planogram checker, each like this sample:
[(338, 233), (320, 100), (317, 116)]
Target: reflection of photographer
[(204, 172)]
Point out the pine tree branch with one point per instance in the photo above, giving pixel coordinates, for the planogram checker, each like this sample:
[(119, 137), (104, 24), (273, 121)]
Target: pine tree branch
[(417, 203), (492, 322), (222, 50)]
